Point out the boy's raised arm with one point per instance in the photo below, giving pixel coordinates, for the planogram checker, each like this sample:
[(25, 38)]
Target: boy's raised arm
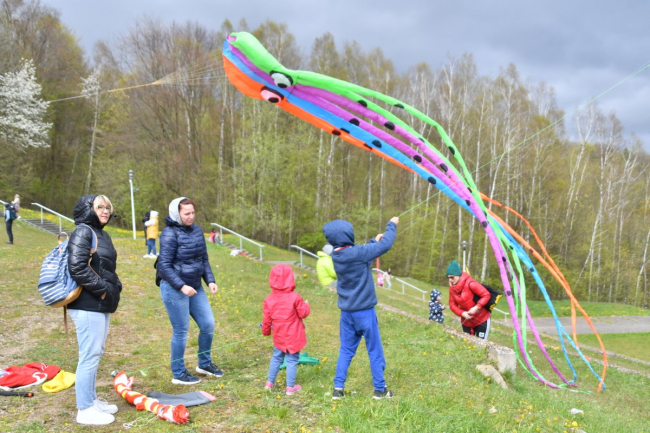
[(382, 242)]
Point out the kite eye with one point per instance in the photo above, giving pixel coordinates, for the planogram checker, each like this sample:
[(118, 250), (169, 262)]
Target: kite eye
[(281, 80), (271, 95)]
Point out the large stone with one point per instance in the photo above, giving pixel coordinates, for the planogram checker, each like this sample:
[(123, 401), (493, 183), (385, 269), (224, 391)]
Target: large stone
[(505, 358), (489, 371)]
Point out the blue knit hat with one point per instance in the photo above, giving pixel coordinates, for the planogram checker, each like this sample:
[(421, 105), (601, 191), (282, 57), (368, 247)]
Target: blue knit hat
[(454, 268)]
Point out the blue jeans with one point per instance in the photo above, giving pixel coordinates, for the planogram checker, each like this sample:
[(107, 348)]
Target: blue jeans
[(353, 326), (292, 366), (92, 330), (179, 308), (151, 246)]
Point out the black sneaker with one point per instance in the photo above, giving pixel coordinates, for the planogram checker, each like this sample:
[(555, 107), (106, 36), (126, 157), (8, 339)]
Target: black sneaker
[(210, 370), (382, 394), (185, 379), (338, 394)]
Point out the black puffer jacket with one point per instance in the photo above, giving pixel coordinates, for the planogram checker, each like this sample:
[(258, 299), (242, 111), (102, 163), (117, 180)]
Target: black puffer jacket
[(102, 277), (184, 256)]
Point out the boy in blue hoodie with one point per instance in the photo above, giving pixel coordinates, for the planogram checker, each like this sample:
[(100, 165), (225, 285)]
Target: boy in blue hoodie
[(357, 300)]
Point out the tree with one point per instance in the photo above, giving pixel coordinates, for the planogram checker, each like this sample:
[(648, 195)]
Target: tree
[(91, 89), (22, 110)]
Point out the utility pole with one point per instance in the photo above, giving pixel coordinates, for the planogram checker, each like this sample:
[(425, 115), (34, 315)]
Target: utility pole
[(464, 244), (132, 202)]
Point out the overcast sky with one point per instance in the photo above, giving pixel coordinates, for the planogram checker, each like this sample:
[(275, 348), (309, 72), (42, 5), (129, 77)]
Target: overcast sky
[(581, 48)]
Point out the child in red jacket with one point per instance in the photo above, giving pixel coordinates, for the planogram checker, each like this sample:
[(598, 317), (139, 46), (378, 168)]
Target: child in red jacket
[(284, 310)]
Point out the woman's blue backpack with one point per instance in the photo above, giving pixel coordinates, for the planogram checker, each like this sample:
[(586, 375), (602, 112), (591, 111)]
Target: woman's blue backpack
[(56, 286)]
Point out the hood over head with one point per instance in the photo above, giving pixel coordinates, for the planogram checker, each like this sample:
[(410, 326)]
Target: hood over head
[(327, 249), (281, 278), (174, 215), (339, 233), (435, 294), (84, 212), (153, 214)]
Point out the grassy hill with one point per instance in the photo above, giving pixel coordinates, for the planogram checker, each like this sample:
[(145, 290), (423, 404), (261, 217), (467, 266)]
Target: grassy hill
[(433, 375)]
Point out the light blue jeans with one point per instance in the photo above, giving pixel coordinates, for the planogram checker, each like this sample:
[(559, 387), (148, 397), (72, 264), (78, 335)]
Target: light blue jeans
[(92, 330), (292, 366), (179, 309), (151, 246)]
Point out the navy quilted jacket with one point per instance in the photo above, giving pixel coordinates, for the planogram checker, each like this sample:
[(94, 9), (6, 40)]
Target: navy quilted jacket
[(183, 256)]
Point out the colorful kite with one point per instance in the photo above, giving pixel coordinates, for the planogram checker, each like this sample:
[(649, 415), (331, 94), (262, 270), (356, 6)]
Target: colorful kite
[(123, 386), (352, 113)]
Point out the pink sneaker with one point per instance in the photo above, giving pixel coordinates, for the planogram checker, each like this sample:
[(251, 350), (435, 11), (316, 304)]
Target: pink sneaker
[(291, 390), (269, 385)]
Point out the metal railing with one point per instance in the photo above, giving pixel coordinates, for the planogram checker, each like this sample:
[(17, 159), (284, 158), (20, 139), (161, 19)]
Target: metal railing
[(404, 283), (241, 238), (53, 212), (302, 250), (3, 202), (505, 314)]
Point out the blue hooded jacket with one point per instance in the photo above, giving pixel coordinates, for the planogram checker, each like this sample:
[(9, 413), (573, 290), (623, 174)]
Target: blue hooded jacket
[(183, 255), (355, 287)]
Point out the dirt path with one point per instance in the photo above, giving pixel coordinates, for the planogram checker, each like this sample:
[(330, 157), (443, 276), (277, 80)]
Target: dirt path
[(604, 325)]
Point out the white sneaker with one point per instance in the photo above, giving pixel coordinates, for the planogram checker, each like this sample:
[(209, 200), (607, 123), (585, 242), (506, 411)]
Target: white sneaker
[(93, 416), (146, 256), (104, 406)]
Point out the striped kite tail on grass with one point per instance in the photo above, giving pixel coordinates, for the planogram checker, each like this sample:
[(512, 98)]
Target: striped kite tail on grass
[(123, 386)]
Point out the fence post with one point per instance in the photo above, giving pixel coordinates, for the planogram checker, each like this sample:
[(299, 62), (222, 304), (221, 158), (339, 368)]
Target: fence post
[(261, 254), (402, 287), (60, 229), (41, 215)]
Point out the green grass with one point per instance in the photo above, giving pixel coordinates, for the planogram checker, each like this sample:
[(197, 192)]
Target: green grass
[(432, 374), (634, 345)]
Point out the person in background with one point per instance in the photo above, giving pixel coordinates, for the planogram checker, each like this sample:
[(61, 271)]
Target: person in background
[(145, 218), (214, 237), (436, 307), (462, 290), (151, 230), (357, 299), (388, 275), (182, 263), (10, 216), (283, 312), (325, 266), (16, 203), (99, 298)]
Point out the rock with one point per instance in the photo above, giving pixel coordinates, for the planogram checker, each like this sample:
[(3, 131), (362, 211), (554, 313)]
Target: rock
[(504, 357), (492, 373)]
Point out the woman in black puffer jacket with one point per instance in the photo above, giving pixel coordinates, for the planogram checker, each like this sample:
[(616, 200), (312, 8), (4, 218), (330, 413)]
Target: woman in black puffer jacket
[(98, 299), (182, 263)]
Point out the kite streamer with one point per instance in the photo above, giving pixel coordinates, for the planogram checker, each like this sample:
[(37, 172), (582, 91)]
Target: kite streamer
[(123, 386), (341, 108)]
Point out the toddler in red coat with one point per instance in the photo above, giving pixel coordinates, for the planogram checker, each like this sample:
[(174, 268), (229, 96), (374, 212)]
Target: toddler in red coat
[(284, 310)]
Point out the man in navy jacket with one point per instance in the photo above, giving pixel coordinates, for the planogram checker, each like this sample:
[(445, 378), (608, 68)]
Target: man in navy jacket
[(357, 300)]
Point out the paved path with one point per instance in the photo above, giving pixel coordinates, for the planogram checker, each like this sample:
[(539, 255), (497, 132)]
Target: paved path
[(604, 325)]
